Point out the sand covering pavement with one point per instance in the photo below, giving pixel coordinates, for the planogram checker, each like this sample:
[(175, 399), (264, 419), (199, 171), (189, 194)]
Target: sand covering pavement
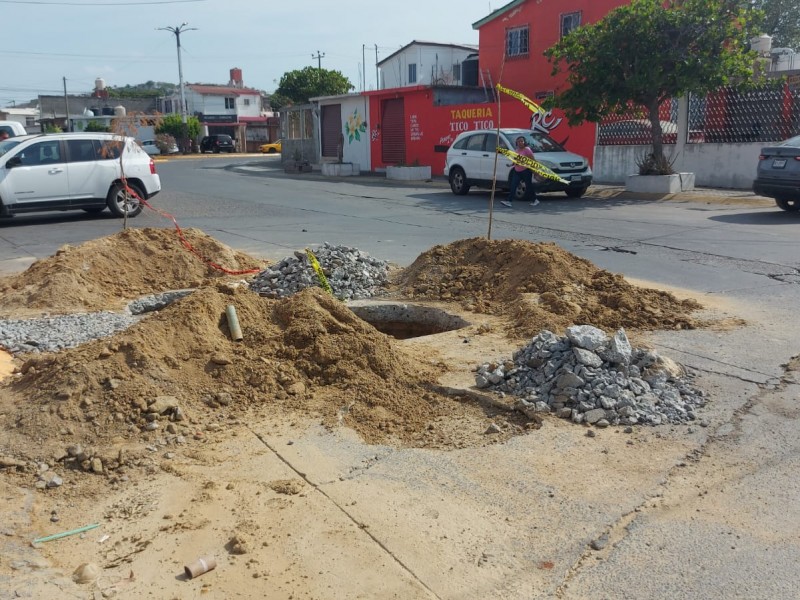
[(303, 357)]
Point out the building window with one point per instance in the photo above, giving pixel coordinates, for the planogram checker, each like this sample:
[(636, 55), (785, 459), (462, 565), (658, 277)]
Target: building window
[(412, 73), (517, 41), (569, 22), (247, 101), (456, 72), (230, 102)]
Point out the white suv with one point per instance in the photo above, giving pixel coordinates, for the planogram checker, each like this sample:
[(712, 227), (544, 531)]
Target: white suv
[(471, 160), (67, 171)]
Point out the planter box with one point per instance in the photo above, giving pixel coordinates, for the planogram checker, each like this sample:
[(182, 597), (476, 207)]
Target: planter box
[(408, 173), (341, 169), (660, 184)]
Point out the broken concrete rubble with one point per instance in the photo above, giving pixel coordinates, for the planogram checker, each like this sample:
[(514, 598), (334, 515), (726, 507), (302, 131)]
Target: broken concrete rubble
[(589, 377)]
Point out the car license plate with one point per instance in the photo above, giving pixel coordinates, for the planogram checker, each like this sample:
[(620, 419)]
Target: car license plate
[(576, 178), (779, 163)]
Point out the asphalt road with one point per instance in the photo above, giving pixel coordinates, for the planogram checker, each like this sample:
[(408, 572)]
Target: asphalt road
[(721, 516)]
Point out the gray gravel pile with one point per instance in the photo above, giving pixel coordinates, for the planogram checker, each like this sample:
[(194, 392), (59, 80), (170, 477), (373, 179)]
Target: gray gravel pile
[(53, 334), (351, 273), (589, 377), (56, 333)]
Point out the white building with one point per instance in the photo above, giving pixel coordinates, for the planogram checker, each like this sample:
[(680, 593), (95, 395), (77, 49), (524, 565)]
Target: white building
[(27, 117), (231, 109), (425, 63)]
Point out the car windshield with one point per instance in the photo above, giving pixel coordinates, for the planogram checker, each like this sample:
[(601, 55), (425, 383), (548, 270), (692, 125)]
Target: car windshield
[(795, 141), (539, 142), (7, 145)]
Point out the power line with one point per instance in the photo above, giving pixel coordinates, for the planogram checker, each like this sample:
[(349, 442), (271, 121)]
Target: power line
[(43, 2)]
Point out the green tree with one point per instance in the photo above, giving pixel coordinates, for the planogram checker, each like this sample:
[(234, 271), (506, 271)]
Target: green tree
[(96, 126), (174, 126), (296, 87), (641, 54), (781, 20)]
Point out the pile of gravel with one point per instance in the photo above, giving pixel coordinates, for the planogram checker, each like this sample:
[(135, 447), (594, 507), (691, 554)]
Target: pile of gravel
[(589, 377), (53, 334), (351, 273)]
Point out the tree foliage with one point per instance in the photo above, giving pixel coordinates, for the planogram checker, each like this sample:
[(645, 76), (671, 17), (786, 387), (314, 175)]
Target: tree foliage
[(296, 87), (149, 89), (648, 51), (781, 20), (174, 126)]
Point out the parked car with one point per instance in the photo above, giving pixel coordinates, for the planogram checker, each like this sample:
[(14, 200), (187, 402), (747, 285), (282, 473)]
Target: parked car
[(471, 159), (217, 143), (12, 128), (153, 149), (778, 174), (271, 147), (66, 171)]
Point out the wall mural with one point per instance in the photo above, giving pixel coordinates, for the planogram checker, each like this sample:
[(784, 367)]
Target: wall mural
[(354, 127)]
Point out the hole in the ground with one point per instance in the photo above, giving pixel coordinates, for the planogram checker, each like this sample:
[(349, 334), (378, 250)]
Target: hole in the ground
[(404, 321)]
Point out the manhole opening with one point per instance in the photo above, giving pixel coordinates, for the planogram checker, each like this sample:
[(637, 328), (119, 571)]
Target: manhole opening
[(405, 321)]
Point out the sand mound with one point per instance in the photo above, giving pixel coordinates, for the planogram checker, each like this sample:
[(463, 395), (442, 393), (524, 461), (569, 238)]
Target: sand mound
[(540, 286), (177, 372), (106, 272)]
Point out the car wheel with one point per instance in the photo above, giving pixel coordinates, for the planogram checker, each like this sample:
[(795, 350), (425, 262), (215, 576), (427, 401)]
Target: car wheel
[(215, 151), (272, 151), (94, 210), (788, 204), (575, 192), (458, 181), (120, 202)]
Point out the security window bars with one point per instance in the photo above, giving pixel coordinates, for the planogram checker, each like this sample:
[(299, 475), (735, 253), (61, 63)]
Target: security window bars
[(517, 43)]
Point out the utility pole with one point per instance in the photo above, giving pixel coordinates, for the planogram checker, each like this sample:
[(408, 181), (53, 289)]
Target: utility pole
[(66, 102), (377, 76), (363, 69), (319, 58), (177, 32)]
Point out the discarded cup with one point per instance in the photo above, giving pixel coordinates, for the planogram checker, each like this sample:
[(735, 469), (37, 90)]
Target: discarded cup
[(200, 566)]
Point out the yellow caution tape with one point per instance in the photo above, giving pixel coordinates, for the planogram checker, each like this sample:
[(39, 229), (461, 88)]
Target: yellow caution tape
[(323, 281), (529, 163), (522, 98)]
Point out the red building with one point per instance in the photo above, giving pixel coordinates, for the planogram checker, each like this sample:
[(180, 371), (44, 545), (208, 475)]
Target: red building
[(417, 124)]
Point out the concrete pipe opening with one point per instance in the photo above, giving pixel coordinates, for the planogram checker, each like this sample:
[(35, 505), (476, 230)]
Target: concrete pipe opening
[(405, 321)]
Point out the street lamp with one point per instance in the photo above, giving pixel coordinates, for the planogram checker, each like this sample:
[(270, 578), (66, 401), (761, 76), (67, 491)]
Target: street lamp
[(177, 31)]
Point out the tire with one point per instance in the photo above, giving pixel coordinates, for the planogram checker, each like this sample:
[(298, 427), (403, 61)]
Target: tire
[(788, 204), (120, 203), (94, 210), (271, 151), (458, 181), (575, 192), (215, 151)]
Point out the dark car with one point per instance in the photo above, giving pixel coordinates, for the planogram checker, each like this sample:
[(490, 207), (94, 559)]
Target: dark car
[(217, 143), (778, 174)]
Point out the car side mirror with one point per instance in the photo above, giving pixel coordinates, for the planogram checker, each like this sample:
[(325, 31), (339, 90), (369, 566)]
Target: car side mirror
[(12, 162)]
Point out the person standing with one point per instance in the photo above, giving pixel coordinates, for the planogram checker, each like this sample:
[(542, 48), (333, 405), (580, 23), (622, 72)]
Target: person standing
[(520, 173)]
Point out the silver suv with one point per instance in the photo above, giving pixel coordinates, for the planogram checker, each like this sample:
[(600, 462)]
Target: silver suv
[(70, 171), (471, 158)]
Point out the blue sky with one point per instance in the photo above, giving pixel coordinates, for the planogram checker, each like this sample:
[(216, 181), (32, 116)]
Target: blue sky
[(118, 40)]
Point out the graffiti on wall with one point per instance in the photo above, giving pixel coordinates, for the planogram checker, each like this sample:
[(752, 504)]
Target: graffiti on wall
[(415, 132), (354, 127), (545, 121)]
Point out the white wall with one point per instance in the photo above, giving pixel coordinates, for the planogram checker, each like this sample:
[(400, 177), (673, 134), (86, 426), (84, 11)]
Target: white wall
[(394, 72), (356, 150), (714, 165)]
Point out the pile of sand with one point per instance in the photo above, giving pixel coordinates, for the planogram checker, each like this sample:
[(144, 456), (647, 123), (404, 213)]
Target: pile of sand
[(307, 354), (107, 272), (540, 286)]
